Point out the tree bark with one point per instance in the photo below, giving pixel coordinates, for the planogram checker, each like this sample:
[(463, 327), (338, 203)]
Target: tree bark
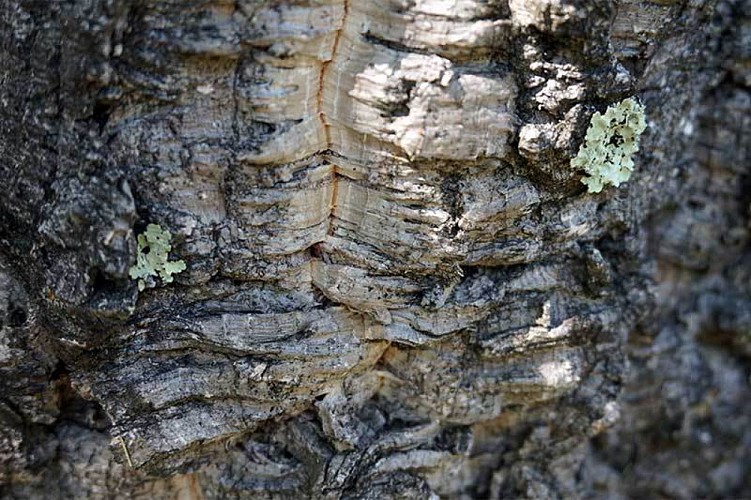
[(396, 284)]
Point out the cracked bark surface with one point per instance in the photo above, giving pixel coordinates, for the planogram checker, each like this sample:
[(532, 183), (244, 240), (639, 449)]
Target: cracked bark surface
[(396, 284)]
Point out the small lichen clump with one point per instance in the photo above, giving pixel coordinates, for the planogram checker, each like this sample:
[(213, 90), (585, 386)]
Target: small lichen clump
[(153, 254), (611, 141)]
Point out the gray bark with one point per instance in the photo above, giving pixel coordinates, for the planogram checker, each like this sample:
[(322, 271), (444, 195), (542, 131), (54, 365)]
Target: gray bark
[(396, 284)]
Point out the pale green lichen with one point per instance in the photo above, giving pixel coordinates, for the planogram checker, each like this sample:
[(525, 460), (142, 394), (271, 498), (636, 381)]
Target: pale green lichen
[(611, 141), (153, 254)]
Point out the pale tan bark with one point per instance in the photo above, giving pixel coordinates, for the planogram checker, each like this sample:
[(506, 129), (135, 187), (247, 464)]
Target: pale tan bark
[(396, 284)]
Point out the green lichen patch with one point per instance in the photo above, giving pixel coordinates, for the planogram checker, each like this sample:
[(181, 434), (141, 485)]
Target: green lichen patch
[(153, 257), (611, 141)]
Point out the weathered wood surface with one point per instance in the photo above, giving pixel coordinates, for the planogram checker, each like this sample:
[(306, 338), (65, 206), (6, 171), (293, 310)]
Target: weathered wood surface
[(396, 284)]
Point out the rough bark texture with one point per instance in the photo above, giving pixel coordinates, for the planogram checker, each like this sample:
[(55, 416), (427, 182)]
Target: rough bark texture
[(396, 284)]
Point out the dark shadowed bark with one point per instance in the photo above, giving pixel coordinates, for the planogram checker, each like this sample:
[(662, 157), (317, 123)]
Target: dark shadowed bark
[(396, 284)]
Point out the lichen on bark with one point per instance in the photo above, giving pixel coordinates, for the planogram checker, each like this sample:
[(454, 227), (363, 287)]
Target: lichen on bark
[(152, 258), (612, 139)]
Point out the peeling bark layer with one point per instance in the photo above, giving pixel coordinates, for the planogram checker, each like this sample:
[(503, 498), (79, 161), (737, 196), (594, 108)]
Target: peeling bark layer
[(396, 284)]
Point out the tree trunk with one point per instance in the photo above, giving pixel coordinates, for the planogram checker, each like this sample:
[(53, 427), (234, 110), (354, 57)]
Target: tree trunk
[(396, 284)]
